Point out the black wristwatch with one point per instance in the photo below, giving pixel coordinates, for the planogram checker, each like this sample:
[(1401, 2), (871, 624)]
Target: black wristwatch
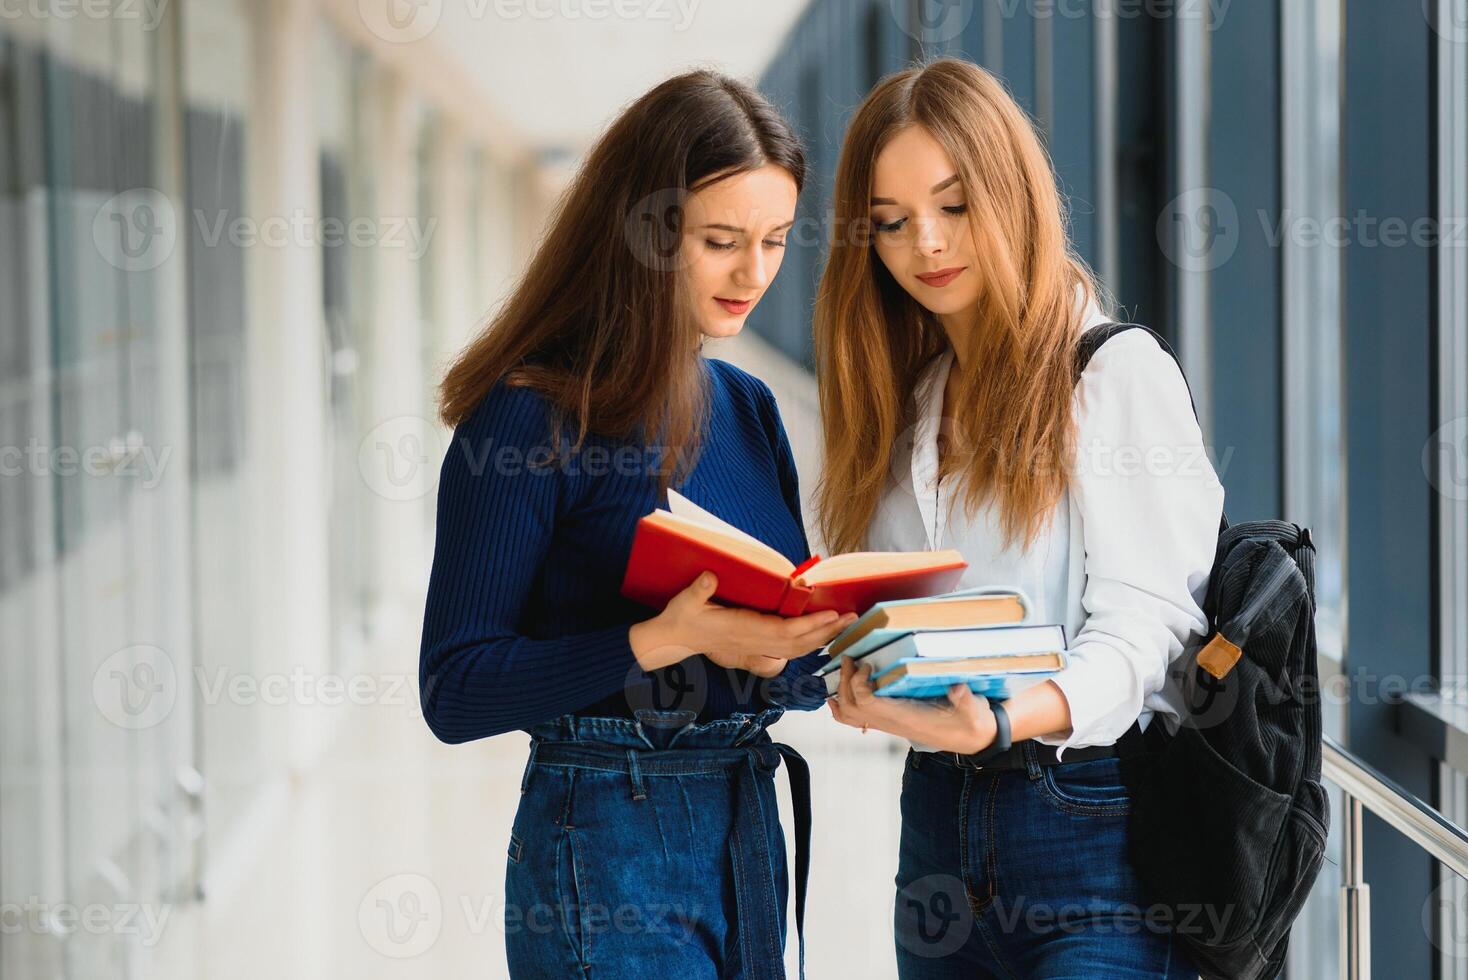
[(1001, 734)]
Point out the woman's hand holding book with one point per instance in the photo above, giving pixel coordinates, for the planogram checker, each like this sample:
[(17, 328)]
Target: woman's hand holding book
[(739, 638), (962, 722)]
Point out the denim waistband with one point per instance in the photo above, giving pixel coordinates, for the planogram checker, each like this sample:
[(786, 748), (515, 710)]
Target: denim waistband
[(649, 729), (670, 743)]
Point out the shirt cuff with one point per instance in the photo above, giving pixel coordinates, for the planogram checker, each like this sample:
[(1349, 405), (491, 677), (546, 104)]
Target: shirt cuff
[(1096, 689)]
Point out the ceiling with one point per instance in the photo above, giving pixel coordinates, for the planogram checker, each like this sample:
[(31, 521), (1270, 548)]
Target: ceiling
[(559, 70)]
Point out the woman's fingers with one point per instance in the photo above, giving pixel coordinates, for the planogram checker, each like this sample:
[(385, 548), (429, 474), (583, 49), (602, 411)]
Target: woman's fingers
[(843, 690), (822, 633), (797, 636), (861, 685), (794, 626), (816, 629), (955, 723), (699, 591), (848, 714), (856, 705), (771, 627), (843, 707), (835, 705), (754, 633), (973, 710)]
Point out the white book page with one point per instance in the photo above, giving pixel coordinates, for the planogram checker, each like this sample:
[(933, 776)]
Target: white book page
[(681, 506)]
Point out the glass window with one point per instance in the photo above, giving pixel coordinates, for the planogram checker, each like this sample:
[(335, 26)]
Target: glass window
[(1315, 451), (497, 225), (1315, 446), (430, 300), (1447, 465), (345, 78), (433, 304), (217, 127), (30, 858), (95, 598), (477, 253)]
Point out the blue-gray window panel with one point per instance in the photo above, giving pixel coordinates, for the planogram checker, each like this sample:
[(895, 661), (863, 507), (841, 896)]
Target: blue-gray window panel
[(1246, 309), (1388, 173), (1073, 138), (1019, 52), (1143, 272)]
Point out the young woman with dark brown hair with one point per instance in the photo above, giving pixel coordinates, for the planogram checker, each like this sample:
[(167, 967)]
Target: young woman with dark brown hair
[(947, 349), (647, 840)]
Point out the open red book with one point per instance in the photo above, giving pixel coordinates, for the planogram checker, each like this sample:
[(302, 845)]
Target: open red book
[(673, 547)]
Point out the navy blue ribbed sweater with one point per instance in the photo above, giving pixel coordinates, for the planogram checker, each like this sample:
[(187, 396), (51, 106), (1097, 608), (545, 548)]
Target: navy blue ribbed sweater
[(524, 619)]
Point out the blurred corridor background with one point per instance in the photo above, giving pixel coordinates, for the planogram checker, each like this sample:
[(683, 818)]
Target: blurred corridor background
[(240, 239)]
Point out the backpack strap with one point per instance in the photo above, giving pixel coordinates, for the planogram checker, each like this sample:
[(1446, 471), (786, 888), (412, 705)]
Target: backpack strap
[(1091, 342)]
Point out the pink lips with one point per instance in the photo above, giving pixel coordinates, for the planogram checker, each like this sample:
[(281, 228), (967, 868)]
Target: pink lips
[(940, 278), (735, 306)]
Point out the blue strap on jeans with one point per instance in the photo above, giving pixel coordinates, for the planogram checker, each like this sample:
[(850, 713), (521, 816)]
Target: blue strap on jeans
[(754, 890)]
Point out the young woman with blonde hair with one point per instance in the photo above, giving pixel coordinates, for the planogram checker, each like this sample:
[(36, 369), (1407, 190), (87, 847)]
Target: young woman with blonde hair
[(947, 327)]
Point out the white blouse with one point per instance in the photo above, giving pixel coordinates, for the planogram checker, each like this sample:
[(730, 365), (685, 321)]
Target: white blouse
[(1123, 562)]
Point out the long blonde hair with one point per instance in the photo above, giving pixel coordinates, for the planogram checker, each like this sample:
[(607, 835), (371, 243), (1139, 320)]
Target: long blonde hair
[(1013, 428)]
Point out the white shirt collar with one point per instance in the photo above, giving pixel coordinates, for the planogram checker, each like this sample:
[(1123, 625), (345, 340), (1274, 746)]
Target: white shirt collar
[(928, 402)]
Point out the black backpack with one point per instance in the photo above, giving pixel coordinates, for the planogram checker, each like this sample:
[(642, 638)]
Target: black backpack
[(1229, 829)]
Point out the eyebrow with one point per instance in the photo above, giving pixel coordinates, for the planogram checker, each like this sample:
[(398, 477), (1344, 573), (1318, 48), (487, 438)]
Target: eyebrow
[(942, 185), (739, 231)]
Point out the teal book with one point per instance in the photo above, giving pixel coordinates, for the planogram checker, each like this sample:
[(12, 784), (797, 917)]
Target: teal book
[(930, 678), (980, 607), (930, 661)]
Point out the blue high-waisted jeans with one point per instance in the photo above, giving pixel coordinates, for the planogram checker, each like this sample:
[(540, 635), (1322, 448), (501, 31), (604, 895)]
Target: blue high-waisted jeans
[(1023, 873), (652, 848)]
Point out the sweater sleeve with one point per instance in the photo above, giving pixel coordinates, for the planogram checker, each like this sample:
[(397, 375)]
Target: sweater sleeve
[(1150, 504), (797, 690), (478, 676)]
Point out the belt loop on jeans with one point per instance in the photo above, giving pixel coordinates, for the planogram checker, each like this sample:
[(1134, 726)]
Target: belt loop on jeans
[(634, 772), (1032, 759), (529, 765)]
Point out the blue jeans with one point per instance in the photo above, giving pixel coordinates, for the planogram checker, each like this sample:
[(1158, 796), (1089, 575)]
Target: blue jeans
[(1023, 873), (652, 848)]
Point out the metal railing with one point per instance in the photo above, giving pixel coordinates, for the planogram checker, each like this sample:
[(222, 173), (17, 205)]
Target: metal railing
[(1365, 788)]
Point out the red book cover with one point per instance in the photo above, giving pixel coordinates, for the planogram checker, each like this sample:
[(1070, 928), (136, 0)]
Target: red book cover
[(665, 561)]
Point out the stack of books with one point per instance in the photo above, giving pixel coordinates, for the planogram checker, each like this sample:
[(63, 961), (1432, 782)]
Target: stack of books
[(918, 648)]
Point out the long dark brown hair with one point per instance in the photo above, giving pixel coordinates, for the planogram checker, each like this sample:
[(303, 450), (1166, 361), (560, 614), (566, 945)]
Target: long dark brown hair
[(601, 322)]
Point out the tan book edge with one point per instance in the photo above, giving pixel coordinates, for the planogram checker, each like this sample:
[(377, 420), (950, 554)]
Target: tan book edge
[(941, 614)]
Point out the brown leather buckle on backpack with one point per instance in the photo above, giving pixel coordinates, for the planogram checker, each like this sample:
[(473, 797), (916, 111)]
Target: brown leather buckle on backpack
[(1219, 656)]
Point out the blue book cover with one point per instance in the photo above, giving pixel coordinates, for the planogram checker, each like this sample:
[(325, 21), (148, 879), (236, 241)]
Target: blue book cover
[(935, 685), (966, 650)]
